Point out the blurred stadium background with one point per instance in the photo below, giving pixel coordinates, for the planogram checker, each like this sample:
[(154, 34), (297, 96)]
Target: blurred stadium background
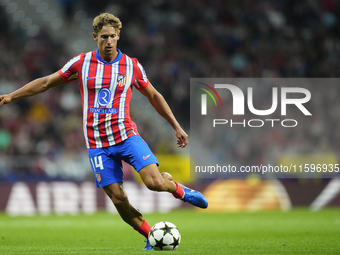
[(44, 166)]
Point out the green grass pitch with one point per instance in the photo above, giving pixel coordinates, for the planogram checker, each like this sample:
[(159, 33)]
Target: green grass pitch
[(299, 231)]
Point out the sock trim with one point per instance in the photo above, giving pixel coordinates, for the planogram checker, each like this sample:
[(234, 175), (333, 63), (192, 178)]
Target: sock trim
[(144, 229), (179, 193)]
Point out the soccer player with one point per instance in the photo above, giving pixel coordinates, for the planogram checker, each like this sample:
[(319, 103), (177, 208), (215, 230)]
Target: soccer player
[(106, 78)]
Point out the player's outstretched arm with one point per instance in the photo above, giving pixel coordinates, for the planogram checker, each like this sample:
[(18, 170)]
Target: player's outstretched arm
[(162, 107), (34, 87)]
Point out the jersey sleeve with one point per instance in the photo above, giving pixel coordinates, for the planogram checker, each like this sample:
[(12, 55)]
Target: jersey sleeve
[(70, 70), (141, 80)]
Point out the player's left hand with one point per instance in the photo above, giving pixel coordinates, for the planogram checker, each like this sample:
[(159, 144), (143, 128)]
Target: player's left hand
[(5, 99), (182, 138)]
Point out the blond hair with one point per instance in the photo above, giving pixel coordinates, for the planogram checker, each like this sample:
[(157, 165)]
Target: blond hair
[(106, 19)]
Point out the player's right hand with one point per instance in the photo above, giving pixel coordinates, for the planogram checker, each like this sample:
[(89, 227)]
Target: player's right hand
[(182, 138), (5, 99)]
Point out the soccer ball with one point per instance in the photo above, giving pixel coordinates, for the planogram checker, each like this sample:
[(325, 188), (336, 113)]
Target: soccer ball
[(164, 236)]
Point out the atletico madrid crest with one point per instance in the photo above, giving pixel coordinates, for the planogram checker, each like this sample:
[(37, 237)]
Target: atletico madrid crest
[(121, 80), (99, 178)]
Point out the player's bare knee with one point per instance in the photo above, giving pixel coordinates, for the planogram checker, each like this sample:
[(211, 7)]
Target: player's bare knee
[(156, 185), (118, 198), (167, 176)]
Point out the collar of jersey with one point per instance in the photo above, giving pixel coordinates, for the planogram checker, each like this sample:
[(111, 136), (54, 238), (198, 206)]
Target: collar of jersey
[(113, 61)]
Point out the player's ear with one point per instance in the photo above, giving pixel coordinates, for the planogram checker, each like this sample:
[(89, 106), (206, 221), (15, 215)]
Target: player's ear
[(95, 36)]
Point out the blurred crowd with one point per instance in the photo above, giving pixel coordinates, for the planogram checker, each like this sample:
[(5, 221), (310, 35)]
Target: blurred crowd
[(174, 40)]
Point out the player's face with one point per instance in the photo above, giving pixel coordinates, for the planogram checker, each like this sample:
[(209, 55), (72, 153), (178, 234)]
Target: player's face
[(107, 39)]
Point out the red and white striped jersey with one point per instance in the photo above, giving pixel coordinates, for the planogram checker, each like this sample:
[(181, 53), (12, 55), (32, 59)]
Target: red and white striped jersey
[(106, 90)]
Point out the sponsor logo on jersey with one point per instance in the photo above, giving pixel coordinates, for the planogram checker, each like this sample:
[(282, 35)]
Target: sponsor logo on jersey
[(104, 97), (103, 110)]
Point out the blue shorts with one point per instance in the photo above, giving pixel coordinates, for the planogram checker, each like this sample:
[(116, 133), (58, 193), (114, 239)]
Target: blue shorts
[(107, 162)]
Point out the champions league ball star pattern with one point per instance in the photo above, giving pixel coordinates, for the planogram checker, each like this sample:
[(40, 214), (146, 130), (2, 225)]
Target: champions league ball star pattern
[(164, 236)]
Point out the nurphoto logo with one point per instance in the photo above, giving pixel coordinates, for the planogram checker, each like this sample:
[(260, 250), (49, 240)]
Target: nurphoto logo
[(204, 97), (238, 107), (264, 127)]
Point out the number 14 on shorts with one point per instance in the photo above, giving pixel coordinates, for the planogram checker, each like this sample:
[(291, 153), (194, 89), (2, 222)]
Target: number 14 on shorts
[(97, 162)]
